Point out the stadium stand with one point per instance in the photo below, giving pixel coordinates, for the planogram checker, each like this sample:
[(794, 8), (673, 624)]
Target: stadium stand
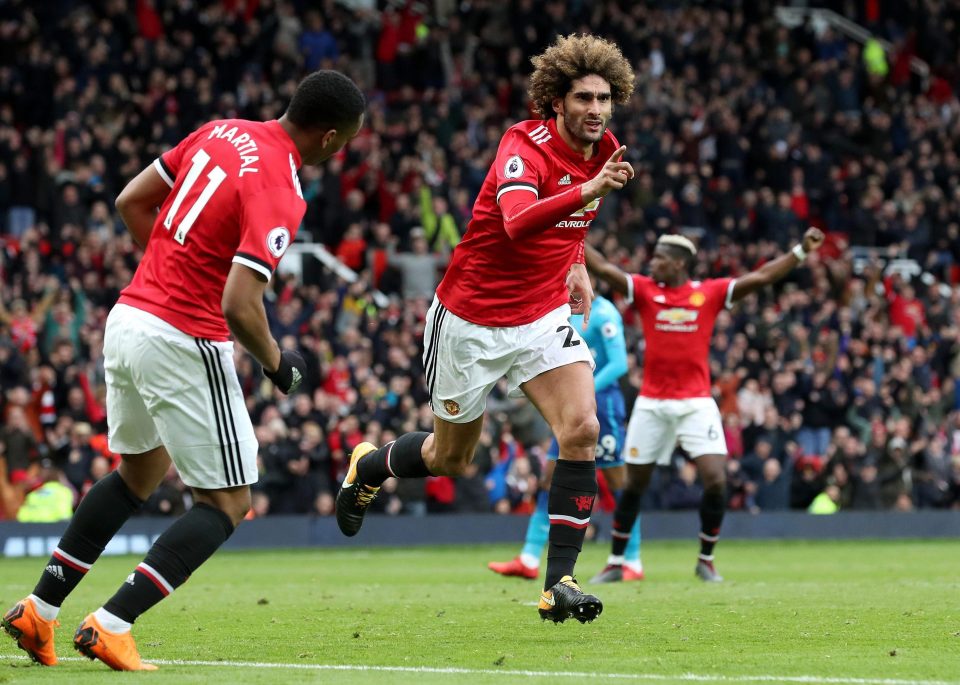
[(842, 381)]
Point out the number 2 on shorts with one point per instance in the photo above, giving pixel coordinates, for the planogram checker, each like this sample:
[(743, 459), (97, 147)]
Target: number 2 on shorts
[(568, 342)]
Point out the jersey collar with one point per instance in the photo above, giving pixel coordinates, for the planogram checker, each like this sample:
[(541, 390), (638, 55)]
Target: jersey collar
[(287, 140)]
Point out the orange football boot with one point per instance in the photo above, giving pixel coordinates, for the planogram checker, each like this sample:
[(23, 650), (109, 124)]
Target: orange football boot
[(116, 650), (33, 633)]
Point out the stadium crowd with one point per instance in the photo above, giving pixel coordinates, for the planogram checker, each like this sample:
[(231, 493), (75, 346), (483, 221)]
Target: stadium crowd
[(839, 388)]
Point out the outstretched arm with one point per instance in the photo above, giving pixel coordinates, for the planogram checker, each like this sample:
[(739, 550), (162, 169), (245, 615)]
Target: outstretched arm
[(598, 265), (773, 271)]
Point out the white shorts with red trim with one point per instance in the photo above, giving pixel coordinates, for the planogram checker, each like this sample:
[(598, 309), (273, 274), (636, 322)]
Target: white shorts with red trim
[(463, 360), (657, 426), (165, 387)]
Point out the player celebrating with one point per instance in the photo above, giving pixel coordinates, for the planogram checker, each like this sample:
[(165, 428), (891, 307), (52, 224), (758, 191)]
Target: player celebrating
[(604, 337), (503, 307), (230, 204), (675, 403)]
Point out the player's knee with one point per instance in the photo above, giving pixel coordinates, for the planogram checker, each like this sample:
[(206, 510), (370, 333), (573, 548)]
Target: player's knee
[(714, 484), (580, 433), (234, 503)]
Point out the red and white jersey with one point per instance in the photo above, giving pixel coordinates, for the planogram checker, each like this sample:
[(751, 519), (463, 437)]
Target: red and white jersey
[(235, 197), (494, 280), (677, 326)]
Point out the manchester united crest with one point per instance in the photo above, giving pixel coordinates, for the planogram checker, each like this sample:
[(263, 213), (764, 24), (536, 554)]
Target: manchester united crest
[(452, 407), (697, 299)]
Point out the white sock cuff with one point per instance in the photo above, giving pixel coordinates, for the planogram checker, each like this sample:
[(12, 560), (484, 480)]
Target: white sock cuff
[(529, 561), (46, 610), (111, 623)]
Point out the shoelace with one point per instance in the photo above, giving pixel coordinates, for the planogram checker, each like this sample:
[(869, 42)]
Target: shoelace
[(572, 584), (365, 495)]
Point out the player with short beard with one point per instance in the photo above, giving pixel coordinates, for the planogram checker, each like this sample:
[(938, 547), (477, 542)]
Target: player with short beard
[(502, 308)]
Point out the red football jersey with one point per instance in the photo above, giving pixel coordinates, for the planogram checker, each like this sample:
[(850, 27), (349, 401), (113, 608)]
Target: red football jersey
[(494, 280), (677, 326), (235, 197)]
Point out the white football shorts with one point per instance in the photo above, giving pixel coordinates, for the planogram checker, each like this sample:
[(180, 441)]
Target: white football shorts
[(165, 387), (656, 426), (463, 361)]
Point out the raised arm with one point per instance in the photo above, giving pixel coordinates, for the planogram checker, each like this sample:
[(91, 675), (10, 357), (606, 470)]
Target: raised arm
[(523, 215), (50, 292), (139, 201), (774, 270), (598, 265)]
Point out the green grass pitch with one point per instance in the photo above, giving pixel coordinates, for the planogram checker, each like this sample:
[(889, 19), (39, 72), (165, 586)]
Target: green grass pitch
[(866, 612)]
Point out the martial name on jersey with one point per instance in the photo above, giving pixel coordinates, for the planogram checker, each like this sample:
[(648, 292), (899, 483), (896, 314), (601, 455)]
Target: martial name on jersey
[(234, 199), (244, 144)]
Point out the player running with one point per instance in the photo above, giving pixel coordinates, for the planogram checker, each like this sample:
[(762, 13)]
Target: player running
[(675, 402), (230, 204), (502, 308), (604, 337)]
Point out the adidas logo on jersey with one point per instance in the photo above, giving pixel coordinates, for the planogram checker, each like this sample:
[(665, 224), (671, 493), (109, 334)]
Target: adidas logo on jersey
[(565, 181), (56, 571)]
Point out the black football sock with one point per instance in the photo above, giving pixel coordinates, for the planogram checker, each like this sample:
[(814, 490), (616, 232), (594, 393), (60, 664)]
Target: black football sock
[(570, 502), (106, 507), (183, 547), (624, 516), (712, 507), (401, 458)]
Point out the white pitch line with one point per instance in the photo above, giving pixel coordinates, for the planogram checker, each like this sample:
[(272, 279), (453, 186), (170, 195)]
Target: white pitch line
[(649, 677)]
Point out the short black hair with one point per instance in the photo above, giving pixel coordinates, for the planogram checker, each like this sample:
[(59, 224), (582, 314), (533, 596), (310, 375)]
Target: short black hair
[(326, 99)]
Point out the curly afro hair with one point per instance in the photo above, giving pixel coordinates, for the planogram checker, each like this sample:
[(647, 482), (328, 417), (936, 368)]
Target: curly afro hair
[(573, 57)]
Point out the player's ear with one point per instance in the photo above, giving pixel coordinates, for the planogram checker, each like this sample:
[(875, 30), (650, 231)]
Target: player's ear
[(328, 137), (558, 105)]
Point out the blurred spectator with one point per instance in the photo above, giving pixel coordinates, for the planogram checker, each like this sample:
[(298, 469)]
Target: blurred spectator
[(778, 129), (773, 491), (418, 268), (683, 492), (50, 500)]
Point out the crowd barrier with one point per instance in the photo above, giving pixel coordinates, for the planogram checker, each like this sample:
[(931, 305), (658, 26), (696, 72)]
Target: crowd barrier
[(38, 540)]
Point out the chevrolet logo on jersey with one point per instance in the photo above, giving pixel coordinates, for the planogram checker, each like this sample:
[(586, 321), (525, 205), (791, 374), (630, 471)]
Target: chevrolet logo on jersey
[(677, 315)]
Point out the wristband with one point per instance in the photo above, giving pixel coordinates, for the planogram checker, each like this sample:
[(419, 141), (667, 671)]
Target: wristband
[(799, 252)]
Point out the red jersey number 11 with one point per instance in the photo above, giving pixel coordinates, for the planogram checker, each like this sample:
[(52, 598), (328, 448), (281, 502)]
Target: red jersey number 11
[(215, 177)]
